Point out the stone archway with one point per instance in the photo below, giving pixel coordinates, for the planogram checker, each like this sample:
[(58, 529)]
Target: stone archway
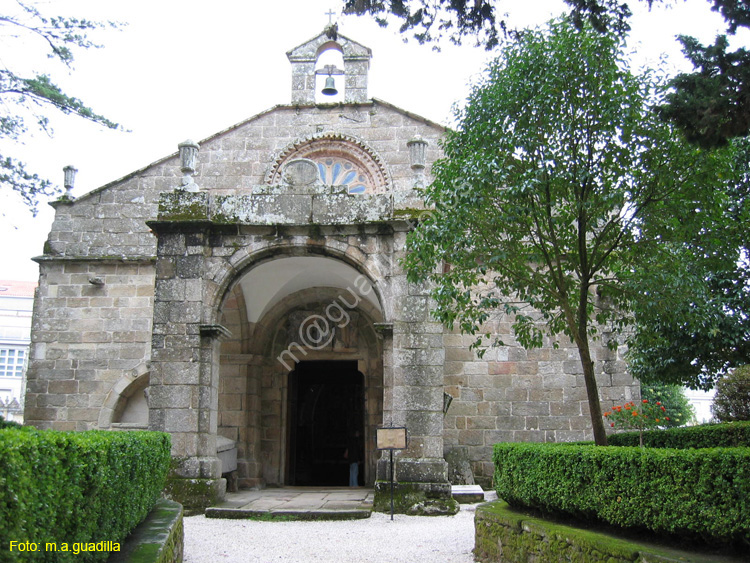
[(272, 327), (207, 245)]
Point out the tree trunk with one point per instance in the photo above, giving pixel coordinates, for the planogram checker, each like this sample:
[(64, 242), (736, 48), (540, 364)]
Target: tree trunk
[(592, 391)]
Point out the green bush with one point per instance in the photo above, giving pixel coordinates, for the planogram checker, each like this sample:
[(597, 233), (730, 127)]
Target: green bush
[(694, 493), (679, 409), (732, 400), (8, 423), (76, 487), (729, 435)]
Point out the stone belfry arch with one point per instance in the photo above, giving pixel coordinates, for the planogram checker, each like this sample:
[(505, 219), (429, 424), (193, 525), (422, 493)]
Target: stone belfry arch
[(356, 66)]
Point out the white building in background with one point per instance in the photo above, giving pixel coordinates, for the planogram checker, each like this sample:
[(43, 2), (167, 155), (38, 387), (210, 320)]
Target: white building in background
[(16, 305), (701, 401)]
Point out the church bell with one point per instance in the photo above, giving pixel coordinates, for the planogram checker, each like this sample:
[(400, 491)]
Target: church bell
[(330, 88)]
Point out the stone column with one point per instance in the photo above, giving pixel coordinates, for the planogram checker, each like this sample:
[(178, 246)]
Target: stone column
[(303, 80), (183, 396), (355, 71), (415, 378)]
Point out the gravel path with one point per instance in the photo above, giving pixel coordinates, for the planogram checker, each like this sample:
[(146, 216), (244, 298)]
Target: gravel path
[(408, 539)]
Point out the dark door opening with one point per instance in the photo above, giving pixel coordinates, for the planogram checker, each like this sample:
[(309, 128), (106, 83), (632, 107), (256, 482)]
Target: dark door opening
[(326, 416)]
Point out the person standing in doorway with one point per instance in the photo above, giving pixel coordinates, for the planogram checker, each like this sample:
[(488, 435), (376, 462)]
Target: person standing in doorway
[(353, 455)]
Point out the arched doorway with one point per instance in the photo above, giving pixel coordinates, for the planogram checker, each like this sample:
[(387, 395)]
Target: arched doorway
[(326, 423), (302, 375)]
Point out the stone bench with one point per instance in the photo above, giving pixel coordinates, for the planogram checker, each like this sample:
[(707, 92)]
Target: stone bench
[(226, 451)]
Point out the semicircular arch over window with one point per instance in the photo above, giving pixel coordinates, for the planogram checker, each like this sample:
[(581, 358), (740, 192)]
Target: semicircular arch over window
[(341, 160)]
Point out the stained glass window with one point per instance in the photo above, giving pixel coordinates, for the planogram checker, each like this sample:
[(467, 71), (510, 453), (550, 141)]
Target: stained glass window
[(341, 161), (341, 172)]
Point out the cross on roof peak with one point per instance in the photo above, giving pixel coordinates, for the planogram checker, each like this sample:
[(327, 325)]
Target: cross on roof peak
[(330, 13)]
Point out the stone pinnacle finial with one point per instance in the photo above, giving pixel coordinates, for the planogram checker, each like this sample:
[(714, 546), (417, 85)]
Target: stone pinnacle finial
[(69, 180), (332, 31), (188, 158), (417, 147)]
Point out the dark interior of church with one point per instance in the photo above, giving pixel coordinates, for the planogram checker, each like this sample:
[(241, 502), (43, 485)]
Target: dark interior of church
[(326, 422)]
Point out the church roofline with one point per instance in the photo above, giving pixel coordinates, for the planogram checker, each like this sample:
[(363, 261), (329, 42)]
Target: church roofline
[(408, 113), (371, 102), (322, 38)]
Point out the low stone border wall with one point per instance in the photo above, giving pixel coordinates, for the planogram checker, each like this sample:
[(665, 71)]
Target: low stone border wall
[(158, 539), (505, 535)]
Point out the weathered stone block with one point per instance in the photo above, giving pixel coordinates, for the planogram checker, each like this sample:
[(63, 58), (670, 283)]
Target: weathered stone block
[(183, 207), (180, 420)]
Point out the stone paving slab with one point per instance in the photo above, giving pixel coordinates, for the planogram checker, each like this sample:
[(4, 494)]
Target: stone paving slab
[(300, 503)]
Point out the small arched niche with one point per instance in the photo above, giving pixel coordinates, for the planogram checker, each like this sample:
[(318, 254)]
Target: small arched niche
[(131, 409), (330, 60)]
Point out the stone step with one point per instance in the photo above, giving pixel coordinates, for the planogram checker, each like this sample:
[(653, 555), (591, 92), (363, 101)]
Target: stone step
[(467, 494), (296, 503), (290, 514)]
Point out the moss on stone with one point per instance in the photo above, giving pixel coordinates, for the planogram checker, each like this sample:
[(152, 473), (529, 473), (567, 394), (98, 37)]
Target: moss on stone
[(414, 499), (195, 495), (505, 534), (158, 539), (183, 206), (316, 231), (408, 213)]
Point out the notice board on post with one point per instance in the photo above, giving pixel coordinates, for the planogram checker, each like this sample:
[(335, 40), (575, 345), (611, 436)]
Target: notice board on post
[(392, 438)]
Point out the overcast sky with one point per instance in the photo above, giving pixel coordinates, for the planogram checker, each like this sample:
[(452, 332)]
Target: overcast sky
[(186, 69)]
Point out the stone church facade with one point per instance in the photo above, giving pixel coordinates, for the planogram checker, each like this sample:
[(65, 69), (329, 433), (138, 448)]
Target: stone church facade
[(246, 295)]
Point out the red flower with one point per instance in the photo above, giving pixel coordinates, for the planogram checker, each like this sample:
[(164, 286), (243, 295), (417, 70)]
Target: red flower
[(645, 401)]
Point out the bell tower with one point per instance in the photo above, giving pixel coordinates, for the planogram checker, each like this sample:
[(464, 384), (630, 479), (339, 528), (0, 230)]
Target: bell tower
[(307, 68)]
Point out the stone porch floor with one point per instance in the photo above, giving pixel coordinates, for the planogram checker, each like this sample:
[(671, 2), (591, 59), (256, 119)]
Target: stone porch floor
[(297, 503), (313, 503)]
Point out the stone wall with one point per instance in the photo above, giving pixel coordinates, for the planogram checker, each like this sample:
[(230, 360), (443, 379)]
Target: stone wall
[(89, 335), (112, 309), (517, 395), (86, 337), (111, 221), (241, 158)]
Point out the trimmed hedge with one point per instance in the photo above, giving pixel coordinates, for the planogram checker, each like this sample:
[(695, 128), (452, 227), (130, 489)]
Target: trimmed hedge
[(8, 424), (76, 487), (694, 493), (726, 435)]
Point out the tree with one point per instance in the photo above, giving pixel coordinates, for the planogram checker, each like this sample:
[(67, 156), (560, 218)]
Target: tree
[(27, 93), (431, 21), (710, 105), (705, 329), (558, 189), (673, 397), (700, 338), (732, 400)]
